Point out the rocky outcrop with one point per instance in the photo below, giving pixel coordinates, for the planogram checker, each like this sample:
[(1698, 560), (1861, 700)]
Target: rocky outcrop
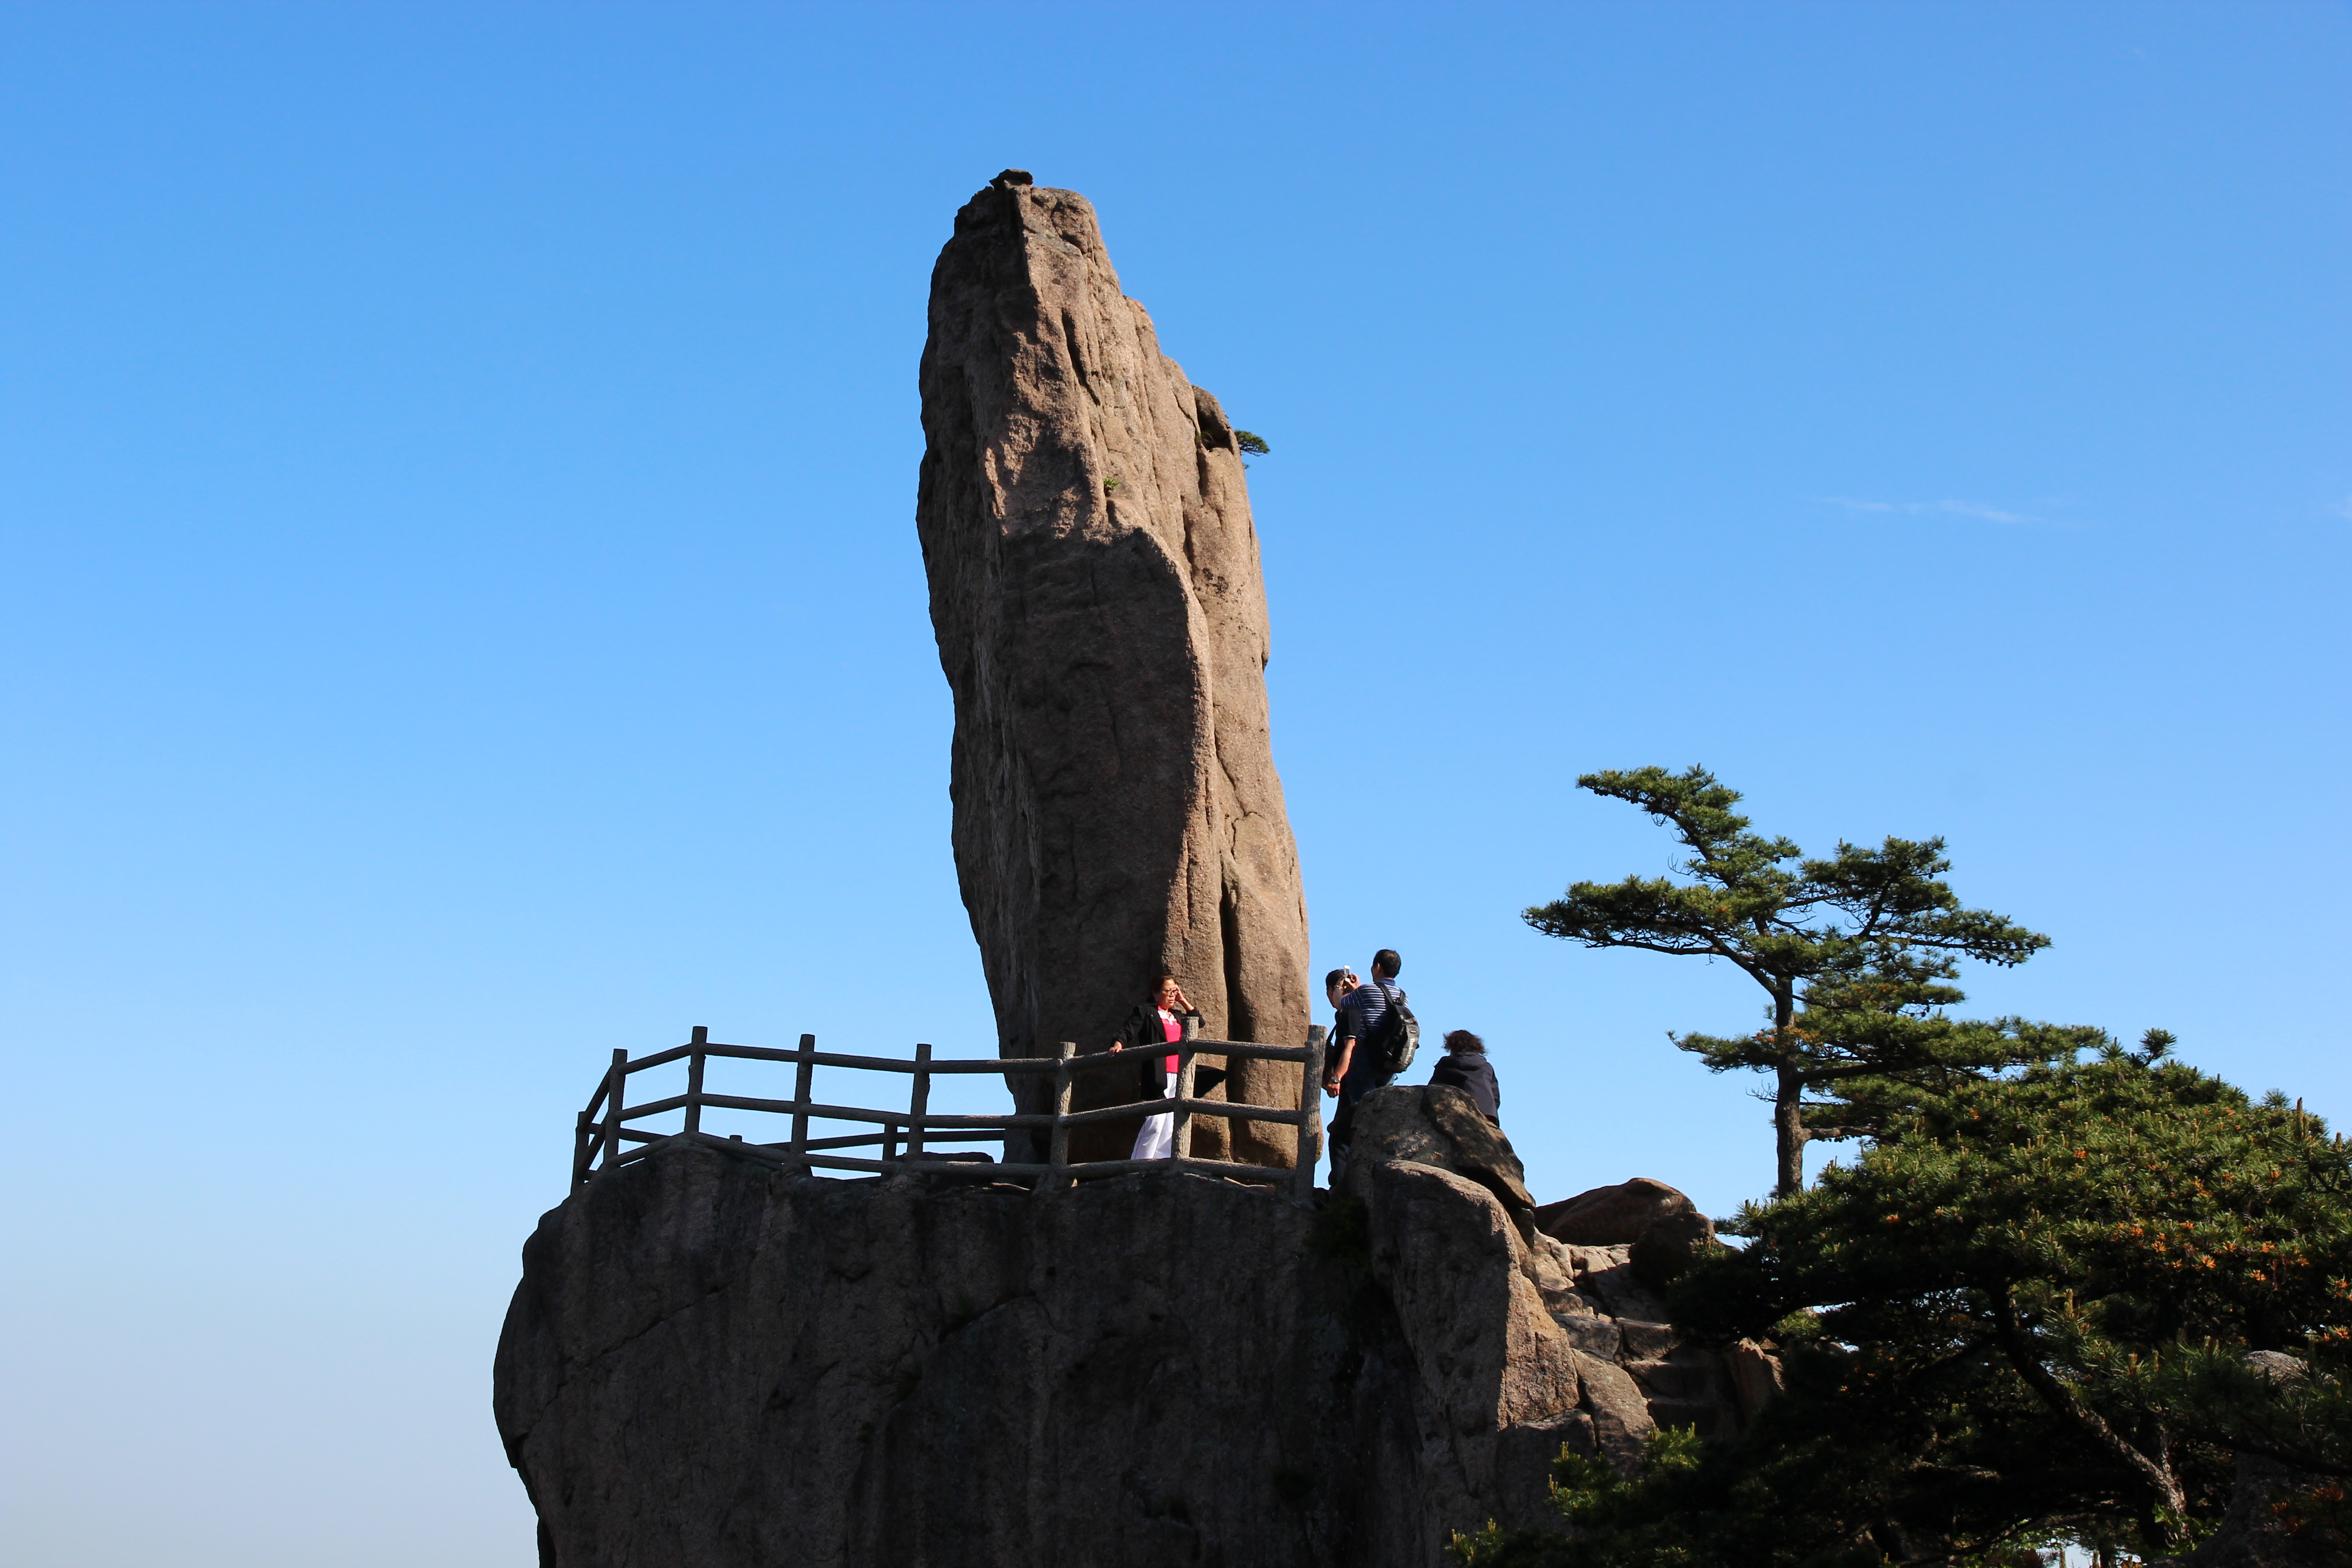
[(1598, 1262), (1439, 1125), (1101, 620), (1498, 1379), (711, 1362), (1663, 1230)]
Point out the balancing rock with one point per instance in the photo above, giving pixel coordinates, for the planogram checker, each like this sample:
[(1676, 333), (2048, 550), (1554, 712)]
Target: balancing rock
[(1101, 620)]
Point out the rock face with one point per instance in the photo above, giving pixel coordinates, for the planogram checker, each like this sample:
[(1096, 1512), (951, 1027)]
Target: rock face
[(711, 1362), (1439, 1125), (1662, 1229), (1101, 620), (1597, 1262)]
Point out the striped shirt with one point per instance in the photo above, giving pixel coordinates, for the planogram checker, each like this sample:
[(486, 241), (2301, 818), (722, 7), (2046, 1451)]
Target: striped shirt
[(1369, 1005)]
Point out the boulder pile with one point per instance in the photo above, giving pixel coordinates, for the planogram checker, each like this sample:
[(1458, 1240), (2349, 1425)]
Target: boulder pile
[(1597, 1264)]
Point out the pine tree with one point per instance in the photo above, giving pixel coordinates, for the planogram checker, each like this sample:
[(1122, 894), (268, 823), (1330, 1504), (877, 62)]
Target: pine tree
[(2027, 1314), (1861, 944)]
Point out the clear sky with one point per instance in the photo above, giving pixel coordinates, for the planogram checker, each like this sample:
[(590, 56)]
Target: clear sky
[(460, 610)]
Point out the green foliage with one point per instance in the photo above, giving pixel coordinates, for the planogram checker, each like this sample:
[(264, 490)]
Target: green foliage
[(1863, 942), (2298, 1419), (2096, 1246), (1810, 1497), (2320, 1513), (1253, 443), (1620, 1521), (2281, 1412), (2023, 1316), (2168, 1206)]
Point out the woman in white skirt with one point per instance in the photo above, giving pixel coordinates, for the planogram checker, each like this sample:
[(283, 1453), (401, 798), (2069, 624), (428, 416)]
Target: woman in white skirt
[(1160, 1023)]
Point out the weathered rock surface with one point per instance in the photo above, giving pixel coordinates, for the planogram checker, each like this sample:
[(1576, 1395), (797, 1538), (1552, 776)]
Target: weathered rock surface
[(1663, 1230), (1498, 1378), (1599, 1263), (1101, 620), (1436, 1124), (712, 1362)]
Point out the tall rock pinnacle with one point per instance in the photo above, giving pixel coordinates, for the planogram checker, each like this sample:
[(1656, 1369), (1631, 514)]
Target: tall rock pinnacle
[(1094, 589)]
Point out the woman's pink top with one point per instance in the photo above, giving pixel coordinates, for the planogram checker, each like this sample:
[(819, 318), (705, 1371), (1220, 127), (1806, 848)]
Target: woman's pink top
[(1175, 1032)]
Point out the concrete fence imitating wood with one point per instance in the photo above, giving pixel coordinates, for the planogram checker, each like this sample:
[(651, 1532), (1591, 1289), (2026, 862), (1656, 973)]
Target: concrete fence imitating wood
[(905, 1139)]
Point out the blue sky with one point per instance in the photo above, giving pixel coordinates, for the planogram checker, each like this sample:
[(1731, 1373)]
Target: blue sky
[(460, 610)]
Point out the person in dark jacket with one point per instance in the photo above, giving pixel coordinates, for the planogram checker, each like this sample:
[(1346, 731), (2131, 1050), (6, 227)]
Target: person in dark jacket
[(1150, 1028), (1464, 1066)]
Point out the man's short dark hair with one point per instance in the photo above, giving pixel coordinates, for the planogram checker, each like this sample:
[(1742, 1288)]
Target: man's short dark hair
[(1334, 978), (1464, 1040), (1386, 962)]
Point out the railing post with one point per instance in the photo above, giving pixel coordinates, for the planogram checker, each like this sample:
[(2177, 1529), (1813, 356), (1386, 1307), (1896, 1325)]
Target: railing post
[(694, 1080), (616, 1081), (918, 1104), (1310, 1113), (890, 1142), (1179, 1135), (804, 1078), (1057, 1148), (584, 1149)]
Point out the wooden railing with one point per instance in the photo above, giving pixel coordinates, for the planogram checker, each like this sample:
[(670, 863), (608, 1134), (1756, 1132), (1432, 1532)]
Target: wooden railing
[(906, 1140)]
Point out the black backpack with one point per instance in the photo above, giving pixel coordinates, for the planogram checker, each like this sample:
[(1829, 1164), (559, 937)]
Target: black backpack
[(1391, 1044)]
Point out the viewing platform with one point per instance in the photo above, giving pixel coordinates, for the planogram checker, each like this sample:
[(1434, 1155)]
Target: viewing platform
[(910, 1140)]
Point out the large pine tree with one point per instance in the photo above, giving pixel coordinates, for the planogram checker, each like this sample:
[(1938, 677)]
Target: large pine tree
[(2040, 1307)]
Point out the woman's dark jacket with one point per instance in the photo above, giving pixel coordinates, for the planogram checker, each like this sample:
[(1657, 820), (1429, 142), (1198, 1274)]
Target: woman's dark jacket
[(1143, 1031), (1470, 1072)]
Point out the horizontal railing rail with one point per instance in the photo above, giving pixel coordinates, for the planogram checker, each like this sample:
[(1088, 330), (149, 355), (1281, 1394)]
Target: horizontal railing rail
[(905, 1138)]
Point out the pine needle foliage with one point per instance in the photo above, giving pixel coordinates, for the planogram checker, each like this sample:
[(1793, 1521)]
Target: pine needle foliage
[(2023, 1316), (1855, 953)]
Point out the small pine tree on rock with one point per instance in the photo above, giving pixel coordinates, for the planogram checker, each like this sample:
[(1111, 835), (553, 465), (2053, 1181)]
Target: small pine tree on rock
[(1855, 951)]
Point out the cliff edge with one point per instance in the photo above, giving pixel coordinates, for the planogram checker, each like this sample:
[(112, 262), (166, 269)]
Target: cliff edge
[(711, 1362)]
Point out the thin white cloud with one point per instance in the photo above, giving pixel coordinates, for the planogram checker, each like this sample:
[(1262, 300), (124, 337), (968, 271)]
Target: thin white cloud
[(1989, 513), (1977, 510)]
